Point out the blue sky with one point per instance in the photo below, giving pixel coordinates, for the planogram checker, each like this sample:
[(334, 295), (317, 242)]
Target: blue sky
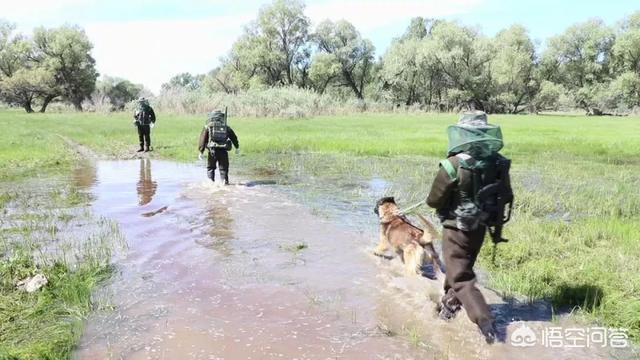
[(148, 41)]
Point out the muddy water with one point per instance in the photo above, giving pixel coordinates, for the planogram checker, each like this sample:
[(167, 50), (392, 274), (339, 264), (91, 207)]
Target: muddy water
[(242, 272)]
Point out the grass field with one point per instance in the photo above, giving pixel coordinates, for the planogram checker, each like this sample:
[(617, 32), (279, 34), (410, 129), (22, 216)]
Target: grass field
[(574, 236)]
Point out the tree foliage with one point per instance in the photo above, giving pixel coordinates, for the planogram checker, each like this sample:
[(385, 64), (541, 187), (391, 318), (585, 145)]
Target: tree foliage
[(66, 51), (345, 56), (436, 64), (272, 50), (433, 65), (185, 81), (116, 92), (54, 63)]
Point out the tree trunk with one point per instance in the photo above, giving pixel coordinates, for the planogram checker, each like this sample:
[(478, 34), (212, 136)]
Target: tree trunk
[(46, 102), (352, 84), (27, 106), (77, 104)]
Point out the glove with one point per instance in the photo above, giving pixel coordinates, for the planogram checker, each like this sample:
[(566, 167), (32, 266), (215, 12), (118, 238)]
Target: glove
[(237, 151), (200, 156), (152, 125)]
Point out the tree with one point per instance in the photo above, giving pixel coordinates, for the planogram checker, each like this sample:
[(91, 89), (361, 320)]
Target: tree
[(344, 46), (118, 92), (419, 28), (548, 96), (324, 70), (22, 81), (409, 76), (626, 50), (13, 50), (405, 73), (285, 29), (627, 86), (580, 60), (272, 50), (463, 57), (185, 81), (66, 51), (513, 69), (26, 85)]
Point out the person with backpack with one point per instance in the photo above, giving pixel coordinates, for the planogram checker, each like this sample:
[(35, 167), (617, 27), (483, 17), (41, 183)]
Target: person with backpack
[(470, 193), (144, 119), (218, 138)]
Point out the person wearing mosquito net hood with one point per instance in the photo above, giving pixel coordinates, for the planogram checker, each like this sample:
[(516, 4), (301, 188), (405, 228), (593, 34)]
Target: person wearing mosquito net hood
[(470, 193)]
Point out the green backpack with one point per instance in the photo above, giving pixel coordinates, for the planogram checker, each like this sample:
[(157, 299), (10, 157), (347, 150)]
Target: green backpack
[(218, 133), (490, 194)]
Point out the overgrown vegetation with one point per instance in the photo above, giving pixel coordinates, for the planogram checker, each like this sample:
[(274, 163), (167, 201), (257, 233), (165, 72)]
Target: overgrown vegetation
[(435, 65), (573, 237), (38, 235)]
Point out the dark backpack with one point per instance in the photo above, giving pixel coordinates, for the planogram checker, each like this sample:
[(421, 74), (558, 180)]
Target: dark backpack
[(143, 116), (491, 191), (218, 135)]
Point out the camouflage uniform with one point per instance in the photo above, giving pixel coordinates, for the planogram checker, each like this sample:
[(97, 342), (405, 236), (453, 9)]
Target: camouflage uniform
[(144, 117), (460, 247), (217, 155)]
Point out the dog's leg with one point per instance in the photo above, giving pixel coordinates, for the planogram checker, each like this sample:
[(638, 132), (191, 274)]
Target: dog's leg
[(413, 259), (432, 255), (383, 245)]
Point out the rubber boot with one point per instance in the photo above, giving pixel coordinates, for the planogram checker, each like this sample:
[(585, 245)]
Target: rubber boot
[(225, 177), (211, 174), (448, 307), (488, 330), (146, 149), (141, 149)]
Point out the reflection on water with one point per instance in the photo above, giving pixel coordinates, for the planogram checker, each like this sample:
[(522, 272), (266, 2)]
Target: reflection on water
[(146, 187), (220, 272), (220, 228), (85, 175)]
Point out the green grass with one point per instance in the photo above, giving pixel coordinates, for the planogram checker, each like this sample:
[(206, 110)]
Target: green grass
[(574, 234), (38, 211), (45, 324)]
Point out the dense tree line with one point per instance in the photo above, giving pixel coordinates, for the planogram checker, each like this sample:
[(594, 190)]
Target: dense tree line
[(52, 64), (55, 65), (436, 64)]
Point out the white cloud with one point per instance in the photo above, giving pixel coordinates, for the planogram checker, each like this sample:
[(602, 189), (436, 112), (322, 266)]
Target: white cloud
[(149, 52), (30, 10), (369, 15)]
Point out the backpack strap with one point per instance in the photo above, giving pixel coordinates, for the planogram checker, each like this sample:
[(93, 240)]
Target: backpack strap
[(451, 171)]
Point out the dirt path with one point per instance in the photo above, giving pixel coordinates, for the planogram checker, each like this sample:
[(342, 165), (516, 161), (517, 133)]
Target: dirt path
[(246, 273), (87, 154)]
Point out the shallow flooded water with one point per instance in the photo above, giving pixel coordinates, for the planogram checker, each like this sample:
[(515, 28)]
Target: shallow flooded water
[(251, 272)]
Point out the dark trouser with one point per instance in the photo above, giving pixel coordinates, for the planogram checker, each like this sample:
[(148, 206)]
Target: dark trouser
[(220, 156), (460, 249), (144, 135)]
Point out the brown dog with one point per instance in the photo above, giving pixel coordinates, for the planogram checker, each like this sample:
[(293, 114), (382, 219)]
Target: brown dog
[(410, 242)]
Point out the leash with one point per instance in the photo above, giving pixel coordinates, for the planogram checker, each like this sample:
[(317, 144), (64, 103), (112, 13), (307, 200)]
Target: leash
[(410, 209)]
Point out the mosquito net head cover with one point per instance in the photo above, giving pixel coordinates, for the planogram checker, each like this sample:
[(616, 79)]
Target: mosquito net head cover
[(474, 135)]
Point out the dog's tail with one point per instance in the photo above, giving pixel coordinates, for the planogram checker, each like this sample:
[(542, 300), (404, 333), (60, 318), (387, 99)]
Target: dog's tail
[(414, 258), (430, 232), (428, 236)]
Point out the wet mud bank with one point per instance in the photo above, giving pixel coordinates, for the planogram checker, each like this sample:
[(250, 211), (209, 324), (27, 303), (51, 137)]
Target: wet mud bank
[(261, 271)]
